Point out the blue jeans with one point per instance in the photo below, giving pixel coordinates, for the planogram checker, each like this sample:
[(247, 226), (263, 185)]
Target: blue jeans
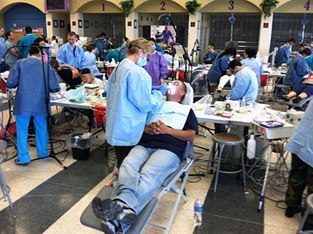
[(141, 175), (41, 134)]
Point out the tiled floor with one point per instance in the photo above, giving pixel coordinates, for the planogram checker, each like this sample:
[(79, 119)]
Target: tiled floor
[(50, 200)]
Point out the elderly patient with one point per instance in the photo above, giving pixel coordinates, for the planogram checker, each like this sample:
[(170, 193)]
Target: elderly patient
[(148, 164)]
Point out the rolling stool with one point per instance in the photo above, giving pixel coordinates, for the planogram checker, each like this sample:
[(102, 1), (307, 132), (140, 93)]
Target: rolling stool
[(223, 139), (309, 210), (4, 186)]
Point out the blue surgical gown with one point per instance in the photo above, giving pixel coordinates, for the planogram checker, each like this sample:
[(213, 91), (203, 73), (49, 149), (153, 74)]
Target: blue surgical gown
[(90, 62), (2, 48), (27, 75), (254, 65), (245, 85), (310, 61), (129, 99), (301, 142), (282, 55), (24, 44), (218, 68), (73, 56), (296, 71)]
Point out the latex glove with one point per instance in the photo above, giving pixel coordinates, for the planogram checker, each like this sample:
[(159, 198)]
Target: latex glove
[(164, 89)]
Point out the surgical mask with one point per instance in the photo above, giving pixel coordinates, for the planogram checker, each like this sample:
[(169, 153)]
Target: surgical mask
[(142, 61), (153, 46)]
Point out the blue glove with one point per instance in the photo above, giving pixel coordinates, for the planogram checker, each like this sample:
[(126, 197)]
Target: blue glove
[(164, 89)]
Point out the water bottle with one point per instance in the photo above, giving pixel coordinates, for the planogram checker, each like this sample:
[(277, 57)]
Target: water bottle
[(243, 102), (197, 218), (251, 147)]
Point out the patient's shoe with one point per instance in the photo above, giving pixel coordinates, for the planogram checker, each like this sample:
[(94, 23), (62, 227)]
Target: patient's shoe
[(296, 100), (111, 227), (291, 211), (118, 210), (97, 208)]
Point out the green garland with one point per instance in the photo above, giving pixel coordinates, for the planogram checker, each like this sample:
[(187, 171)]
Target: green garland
[(267, 6), (127, 6), (192, 6)]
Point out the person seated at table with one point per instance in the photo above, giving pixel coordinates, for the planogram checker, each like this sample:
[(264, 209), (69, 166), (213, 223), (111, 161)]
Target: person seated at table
[(253, 63), (148, 164), (245, 83), (156, 66), (89, 78), (210, 56), (89, 60), (67, 73), (301, 91), (298, 68)]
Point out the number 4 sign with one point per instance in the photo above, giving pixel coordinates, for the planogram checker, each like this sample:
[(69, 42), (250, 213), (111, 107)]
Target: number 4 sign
[(307, 5)]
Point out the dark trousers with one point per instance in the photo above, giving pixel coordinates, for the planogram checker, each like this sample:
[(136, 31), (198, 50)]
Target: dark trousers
[(121, 152), (301, 176)]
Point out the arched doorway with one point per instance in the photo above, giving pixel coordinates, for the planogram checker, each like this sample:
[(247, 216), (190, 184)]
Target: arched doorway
[(22, 15)]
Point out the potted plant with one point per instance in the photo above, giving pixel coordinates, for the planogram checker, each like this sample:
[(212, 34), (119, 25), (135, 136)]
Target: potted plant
[(192, 6), (127, 6), (267, 7)]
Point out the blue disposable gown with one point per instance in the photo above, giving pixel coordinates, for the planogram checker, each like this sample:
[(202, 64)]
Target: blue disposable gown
[(254, 65), (72, 56), (218, 68), (282, 55), (24, 44), (296, 71), (2, 48), (129, 99), (90, 62), (27, 76), (301, 142), (245, 85)]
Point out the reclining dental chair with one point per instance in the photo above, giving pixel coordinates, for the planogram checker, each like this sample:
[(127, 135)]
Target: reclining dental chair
[(89, 219)]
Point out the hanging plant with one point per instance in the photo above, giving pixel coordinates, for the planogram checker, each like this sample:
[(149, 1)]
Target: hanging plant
[(192, 6), (127, 6), (267, 7)]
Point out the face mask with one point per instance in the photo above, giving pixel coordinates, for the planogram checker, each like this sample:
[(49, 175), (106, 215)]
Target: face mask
[(142, 61), (153, 46)]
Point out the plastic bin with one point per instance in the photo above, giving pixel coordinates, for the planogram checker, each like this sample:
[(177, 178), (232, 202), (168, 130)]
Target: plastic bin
[(80, 146)]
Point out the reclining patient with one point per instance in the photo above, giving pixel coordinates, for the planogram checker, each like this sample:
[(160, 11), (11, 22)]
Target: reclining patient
[(301, 91), (157, 155)]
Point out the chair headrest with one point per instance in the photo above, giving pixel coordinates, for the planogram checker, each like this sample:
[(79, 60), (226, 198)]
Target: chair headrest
[(188, 100)]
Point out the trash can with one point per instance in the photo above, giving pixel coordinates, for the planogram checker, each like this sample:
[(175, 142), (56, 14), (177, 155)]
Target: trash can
[(80, 144)]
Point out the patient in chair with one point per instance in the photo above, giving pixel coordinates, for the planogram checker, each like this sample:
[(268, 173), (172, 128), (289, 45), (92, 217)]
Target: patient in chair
[(301, 91), (156, 156)]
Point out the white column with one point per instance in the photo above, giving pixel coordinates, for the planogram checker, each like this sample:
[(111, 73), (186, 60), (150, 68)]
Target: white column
[(49, 25), (131, 26), (77, 18), (194, 29), (265, 37)]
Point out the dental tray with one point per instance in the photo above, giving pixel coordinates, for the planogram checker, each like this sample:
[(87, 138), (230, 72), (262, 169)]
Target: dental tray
[(272, 124)]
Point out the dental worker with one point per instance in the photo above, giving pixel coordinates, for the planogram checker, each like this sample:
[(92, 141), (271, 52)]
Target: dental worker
[(31, 101), (301, 173), (70, 53), (283, 53), (129, 99)]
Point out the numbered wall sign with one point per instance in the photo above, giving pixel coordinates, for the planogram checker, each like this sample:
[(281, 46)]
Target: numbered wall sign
[(163, 4), (231, 5), (307, 5)]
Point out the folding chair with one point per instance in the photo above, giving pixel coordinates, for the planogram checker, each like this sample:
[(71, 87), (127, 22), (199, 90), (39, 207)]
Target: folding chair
[(90, 220)]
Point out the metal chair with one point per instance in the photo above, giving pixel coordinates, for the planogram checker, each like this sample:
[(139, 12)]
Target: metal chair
[(309, 210), (223, 139), (5, 188)]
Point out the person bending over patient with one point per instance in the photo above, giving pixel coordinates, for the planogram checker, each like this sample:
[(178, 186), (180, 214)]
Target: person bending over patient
[(148, 164), (301, 91)]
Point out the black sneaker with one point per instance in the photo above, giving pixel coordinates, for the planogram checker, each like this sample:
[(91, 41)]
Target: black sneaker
[(307, 227), (296, 100), (111, 227), (291, 211), (97, 208), (117, 210)]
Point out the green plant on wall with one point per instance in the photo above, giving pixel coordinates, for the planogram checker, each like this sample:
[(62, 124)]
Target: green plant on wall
[(127, 6), (267, 7), (192, 6)]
